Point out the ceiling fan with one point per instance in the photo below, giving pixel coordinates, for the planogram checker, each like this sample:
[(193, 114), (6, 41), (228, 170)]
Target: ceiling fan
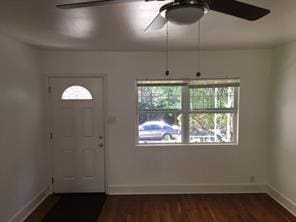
[(185, 12)]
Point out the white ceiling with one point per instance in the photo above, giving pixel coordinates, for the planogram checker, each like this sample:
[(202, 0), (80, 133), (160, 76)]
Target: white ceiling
[(121, 26)]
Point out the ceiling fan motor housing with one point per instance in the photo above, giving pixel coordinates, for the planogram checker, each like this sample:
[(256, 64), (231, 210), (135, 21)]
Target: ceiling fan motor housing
[(185, 12)]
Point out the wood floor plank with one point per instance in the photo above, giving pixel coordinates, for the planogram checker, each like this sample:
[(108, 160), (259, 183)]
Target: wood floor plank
[(43, 209), (194, 208), (184, 208)]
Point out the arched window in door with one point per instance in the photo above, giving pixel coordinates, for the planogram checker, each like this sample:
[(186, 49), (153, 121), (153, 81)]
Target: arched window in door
[(76, 92)]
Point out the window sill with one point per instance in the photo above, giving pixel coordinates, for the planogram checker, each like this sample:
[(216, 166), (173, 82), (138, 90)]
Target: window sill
[(198, 145)]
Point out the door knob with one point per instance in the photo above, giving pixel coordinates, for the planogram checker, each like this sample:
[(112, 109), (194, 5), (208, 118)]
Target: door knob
[(101, 145)]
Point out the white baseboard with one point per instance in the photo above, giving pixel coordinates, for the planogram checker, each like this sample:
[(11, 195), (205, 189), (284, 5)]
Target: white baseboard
[(282, 199), (186, 189), (25, 211)]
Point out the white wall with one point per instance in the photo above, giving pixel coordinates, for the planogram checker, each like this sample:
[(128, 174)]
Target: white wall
[(175, 168), (23, 169), (283, 145), (23, 157)]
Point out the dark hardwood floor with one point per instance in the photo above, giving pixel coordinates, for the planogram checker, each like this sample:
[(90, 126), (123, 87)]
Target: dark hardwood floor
[(43, 209), (188, 208), (194, 208)]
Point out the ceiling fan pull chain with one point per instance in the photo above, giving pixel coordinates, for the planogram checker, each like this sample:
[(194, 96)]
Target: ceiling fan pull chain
[(198, 74), (167, 72)]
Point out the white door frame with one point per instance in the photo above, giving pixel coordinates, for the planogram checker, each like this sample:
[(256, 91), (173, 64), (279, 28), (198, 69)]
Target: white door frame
[(50, 127)]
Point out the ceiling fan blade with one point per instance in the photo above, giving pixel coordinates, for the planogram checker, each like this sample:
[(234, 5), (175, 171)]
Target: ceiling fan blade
[(82, 4), (239, 9), (157, 23), (96, 3)]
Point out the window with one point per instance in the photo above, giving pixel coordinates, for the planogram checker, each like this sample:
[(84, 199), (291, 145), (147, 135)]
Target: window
[(188, 112), (76, 93)]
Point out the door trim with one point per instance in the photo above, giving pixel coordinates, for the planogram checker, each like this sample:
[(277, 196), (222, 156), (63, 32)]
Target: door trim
[(49, 127)]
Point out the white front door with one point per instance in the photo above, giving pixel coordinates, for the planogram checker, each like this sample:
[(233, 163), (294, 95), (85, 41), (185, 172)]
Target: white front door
[(77, 138)]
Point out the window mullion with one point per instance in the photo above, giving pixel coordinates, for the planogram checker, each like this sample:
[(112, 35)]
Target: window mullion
[(236, 115), (185, 114), (213, 111)]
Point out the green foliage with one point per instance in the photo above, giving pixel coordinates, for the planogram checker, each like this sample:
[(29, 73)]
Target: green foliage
[(211, 98), (160, 97), (206, 121)]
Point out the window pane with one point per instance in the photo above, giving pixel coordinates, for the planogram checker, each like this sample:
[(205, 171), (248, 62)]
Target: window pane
[(211, 128), (76, 93), (159, 127), (211, 98), (159, 97)]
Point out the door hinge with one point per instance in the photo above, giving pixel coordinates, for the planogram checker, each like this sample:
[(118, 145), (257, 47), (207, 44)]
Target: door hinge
[(50, 135), (49, 89), (52, 180)]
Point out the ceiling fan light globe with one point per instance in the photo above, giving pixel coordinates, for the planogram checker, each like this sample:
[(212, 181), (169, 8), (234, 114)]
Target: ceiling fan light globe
[(184, 15)]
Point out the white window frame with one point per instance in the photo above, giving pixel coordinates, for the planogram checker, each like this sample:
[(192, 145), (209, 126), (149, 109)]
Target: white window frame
[(185, 108)]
